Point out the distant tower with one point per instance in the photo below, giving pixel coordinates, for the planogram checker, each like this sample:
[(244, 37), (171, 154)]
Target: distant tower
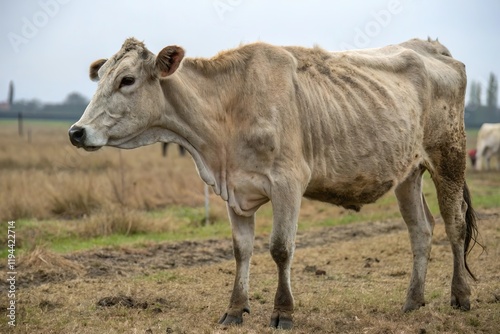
[(10, 98)]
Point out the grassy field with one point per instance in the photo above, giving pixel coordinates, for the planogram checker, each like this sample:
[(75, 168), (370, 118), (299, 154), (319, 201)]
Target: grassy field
[(73, 209)]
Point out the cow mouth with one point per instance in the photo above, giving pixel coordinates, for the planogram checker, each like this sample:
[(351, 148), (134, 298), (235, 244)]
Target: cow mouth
[(87, 148), (91, 148)]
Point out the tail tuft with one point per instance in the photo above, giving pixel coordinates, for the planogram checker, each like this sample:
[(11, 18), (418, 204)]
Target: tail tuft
[(471, 232)]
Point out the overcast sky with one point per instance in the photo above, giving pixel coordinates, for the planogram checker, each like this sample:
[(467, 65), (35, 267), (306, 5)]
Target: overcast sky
[(46, 46)]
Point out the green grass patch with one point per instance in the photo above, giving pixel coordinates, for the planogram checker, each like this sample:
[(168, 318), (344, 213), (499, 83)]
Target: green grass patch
[(183, 232), (37, 122), (353, 217)]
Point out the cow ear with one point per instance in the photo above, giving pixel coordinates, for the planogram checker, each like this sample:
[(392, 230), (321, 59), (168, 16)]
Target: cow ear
[(168, 60), (94, 69)]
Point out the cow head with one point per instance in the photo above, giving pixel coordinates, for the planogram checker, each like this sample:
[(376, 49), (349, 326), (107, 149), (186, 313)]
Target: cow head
[(129, 98)]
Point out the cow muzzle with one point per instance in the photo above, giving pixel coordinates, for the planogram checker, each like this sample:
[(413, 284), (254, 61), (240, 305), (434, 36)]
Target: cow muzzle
[(77, 136)]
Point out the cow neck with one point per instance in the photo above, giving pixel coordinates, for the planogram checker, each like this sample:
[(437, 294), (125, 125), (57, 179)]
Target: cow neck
[(196, 115)]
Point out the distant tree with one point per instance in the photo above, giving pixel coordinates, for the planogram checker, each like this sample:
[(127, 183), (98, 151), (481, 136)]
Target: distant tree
[(475, 94), (472, 92), (492, 93), (75, 99), (33, 105)]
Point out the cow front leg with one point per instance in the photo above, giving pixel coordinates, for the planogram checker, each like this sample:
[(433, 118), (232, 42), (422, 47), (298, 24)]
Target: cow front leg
[(243, 237), (286, 206)]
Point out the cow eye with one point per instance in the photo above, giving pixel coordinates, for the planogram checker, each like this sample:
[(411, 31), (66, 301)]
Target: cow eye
[(127, 81)]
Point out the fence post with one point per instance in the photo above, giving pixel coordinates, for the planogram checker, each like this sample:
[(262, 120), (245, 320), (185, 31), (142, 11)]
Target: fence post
[(207, 206), (20, 123)]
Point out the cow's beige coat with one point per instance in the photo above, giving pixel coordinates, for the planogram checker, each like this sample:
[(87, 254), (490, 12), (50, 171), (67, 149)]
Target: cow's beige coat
[(268, 123)]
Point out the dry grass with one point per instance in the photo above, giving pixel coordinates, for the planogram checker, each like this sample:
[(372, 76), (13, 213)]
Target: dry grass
[(72, 204), (114, 221), (40, 258), (361, 292), (49, 178)]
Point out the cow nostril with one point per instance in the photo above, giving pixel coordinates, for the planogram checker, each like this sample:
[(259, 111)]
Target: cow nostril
[(77, 135)]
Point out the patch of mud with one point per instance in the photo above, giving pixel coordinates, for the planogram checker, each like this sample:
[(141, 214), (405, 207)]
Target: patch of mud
[(130, 261), (26, 277), (157, 306), (121, 300), (323, 236)]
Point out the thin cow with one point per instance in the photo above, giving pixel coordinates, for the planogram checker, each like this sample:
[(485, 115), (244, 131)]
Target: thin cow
[(269, 123)]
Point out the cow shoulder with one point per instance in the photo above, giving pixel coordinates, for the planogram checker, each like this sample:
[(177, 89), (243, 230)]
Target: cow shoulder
[(264, 108)]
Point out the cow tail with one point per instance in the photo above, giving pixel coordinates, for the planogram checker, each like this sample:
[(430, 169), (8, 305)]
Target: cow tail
[(471, 232)]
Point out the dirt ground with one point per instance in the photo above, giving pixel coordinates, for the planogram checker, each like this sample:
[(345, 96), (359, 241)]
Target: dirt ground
[(112, 262), (346, 279)]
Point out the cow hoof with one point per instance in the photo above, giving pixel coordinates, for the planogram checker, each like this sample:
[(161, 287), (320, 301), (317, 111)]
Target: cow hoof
[(228, 320), (232, 319), (461, 304), (412, 306), (281, 321)]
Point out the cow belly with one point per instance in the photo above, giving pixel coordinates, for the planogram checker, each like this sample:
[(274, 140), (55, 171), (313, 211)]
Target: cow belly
[(350, 195)]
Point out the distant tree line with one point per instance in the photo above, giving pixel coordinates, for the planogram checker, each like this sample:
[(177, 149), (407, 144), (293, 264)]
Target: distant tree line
[(71, 108), (74, 102), (477, 112), (475, 94)]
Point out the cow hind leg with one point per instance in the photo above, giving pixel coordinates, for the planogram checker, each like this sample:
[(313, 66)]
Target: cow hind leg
[(459, 220), (454, 210), (420, 224), (243, 237)]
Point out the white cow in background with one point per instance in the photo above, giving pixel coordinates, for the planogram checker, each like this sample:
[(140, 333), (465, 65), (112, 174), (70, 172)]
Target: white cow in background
[(488, 146)]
